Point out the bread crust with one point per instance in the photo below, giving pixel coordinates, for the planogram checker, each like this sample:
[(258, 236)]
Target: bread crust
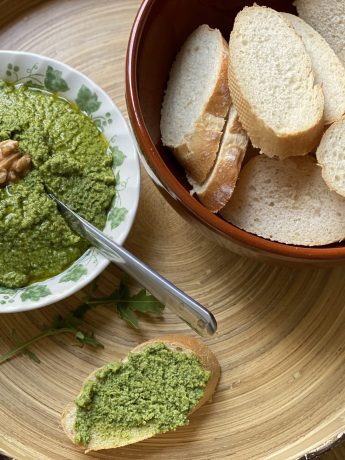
[(325, 163), (218, 188), (198, 152), (174, 342), (322, 15), (330, 73), (261, 135)]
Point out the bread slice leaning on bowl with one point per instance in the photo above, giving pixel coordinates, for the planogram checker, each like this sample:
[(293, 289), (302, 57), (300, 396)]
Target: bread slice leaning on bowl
[(329, 70), (216, 191), (272, 84), (176, 343), (197, 101)]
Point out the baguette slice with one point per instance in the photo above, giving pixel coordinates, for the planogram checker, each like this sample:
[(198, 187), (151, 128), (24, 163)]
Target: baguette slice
[(331, 156), (272, 84), (328, 69), (216, 191), (197, 101), (177, 343), (328, 18), (287, 201)]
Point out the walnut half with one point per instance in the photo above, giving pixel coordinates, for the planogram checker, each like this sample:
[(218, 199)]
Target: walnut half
[(13, 165)]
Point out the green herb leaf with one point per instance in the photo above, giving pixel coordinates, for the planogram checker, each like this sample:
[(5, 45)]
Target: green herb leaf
[(58, 322), (141, 302), (123, 290), (87, 101), (88, 339), (22, 347), (32, 356), (145, 303), (81, 311), (128, 315), (79, 335), (54, 82), (121, 299)]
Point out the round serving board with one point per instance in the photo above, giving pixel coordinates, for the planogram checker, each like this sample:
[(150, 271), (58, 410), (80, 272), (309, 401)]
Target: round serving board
[(281, 339)]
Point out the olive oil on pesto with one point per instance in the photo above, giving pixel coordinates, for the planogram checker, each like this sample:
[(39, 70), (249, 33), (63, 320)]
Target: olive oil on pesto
[(68, 153), (156, 388)]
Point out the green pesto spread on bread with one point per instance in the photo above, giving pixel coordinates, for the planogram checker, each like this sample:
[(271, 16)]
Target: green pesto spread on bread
[(155, 387)]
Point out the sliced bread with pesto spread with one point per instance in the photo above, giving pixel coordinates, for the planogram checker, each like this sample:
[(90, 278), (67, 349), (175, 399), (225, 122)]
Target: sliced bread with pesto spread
[(272, 84), (197, 101), (153, 390)]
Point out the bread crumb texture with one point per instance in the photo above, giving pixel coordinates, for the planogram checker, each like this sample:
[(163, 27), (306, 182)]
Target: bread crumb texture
[(287, 201), (331, 157), (328, 18)]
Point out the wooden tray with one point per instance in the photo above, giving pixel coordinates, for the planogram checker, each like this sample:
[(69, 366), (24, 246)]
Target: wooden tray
[(281, 330)]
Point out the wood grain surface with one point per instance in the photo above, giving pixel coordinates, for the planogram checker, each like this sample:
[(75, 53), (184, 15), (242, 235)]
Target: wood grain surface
[(281, 340)]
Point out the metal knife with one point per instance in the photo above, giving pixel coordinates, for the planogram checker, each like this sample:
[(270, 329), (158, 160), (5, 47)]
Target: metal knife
[(193, 313)]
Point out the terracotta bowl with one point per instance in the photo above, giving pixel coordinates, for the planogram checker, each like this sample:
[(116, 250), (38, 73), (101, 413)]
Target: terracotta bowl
[(160, 28)]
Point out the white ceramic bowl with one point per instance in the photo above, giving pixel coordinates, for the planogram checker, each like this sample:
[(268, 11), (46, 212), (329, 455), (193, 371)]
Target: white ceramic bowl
[(49, 74)]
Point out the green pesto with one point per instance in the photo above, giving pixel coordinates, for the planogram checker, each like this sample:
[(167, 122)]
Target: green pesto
[(68, 154), (156, 388)]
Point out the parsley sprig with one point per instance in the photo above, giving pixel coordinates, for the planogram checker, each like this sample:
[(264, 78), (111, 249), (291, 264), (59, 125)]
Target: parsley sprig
[(126, 305)]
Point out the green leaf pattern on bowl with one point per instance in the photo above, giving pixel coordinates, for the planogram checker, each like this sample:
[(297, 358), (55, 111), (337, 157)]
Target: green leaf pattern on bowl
[(118, 155), (116, 216), (89, 102), (54, 82), (74, 273), (35, 292)]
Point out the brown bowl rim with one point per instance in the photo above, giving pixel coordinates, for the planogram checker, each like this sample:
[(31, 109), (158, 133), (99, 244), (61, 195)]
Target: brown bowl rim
[(173, 186)]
